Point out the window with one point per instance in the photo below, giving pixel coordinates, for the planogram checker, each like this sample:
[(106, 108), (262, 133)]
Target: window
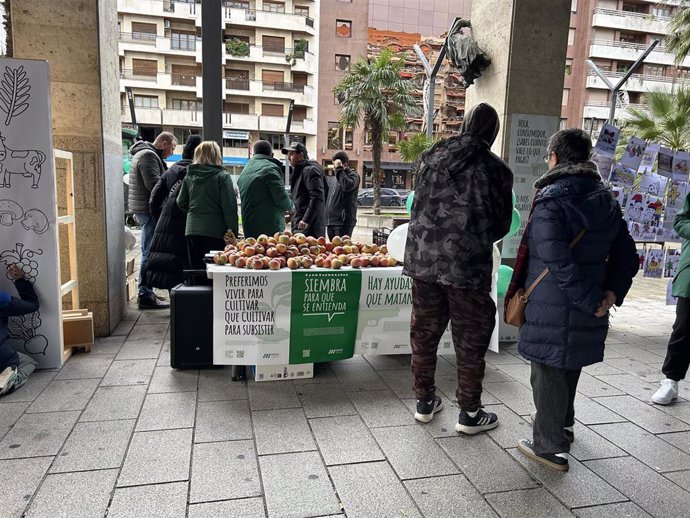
[(335, 140), (182, 134), (661, 11), (392, 141), (299, 113), (240, 108), (342, 62), (237, 79), (235, 4), (568, 67), (656, 70), (301, 10), (349, 138), (343, 28), (144, 31), (186, 104), (571, 36), (628, 37), (183, 41), (566, 97), (631, 8), (623, 66), (145, 101), (273, 44), (573, 6), (276, 139), (145, 67), (271, 77), (235, 143), (274, 7), (184, 75), (272, 110)]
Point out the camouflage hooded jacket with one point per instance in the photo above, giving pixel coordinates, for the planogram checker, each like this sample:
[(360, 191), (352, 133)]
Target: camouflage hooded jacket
[(462, 205)]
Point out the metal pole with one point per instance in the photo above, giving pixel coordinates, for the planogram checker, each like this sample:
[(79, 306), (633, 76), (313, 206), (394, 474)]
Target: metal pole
[(212, 56), (287, 141)]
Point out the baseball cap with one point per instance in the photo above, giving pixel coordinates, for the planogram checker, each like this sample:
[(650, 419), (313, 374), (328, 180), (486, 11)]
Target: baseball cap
[(297, 147)]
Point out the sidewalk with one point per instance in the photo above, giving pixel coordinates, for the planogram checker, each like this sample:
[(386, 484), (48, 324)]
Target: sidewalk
[(117, 431)]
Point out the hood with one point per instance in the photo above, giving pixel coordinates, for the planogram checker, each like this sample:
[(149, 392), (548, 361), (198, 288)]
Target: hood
[(455, 153), (202, 173), (482, 122), (141, 146)]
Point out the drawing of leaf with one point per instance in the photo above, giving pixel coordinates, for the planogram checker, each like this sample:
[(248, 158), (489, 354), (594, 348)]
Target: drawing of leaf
[(15, 327), (14, 93)]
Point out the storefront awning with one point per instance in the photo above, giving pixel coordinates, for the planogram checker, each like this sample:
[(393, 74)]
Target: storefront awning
[(390, 166)]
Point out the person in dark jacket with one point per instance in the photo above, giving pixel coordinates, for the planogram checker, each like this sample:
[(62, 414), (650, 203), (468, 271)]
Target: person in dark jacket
[(15, 367), (147, 167), (462, 205), (566, 319), (341, 208), (308, 191), (168, 251), (262, 192)]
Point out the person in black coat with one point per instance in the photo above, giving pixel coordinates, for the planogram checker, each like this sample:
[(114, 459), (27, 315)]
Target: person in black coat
[(341, 208), (168, 253), (567, 316), (309, 192)]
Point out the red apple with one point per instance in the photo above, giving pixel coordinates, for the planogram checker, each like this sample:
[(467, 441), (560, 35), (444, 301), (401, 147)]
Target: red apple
[(355, 263), (274, 264), (374, 261), (249, 251)]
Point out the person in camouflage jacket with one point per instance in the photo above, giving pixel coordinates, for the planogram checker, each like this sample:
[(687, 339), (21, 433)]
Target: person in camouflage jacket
[(462, 205)]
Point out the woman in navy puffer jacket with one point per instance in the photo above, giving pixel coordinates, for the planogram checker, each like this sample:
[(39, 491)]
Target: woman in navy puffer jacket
[(566, 320)]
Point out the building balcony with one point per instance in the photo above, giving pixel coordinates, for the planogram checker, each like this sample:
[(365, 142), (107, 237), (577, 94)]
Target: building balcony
[(270, 20), (164, 117), (637, 82), (302, 94), (143, 42), (627, 21), (600, 110), (241, 121), (279, 124), (164, 8), (258, 54), (161, 81), (624, 51)]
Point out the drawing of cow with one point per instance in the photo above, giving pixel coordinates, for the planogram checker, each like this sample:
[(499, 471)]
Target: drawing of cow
[(24, 162)]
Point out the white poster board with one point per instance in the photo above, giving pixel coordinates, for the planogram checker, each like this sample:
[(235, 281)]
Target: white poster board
[(28, 225), (528, 141)]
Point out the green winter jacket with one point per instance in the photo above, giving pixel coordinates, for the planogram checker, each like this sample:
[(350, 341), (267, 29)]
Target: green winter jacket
[(264, 200), (208, 197), (681, 283)]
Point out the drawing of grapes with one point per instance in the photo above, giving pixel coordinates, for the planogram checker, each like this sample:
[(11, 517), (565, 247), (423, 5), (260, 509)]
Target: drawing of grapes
[(24, 259)]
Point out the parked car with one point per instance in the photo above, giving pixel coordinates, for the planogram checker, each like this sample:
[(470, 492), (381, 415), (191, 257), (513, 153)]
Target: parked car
[(389, 198)]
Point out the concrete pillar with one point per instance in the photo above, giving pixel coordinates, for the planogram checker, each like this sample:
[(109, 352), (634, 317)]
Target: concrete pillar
[(79, 40)]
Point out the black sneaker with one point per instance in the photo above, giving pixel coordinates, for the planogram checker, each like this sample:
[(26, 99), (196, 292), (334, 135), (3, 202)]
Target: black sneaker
[(556, 461), (479, 423), (151, 303), (568, 430), (426, 409)]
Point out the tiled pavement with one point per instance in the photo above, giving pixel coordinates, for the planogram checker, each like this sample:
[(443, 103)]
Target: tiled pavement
[(118, 432)]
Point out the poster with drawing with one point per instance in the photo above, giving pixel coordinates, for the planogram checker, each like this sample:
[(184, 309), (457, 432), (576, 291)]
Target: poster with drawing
[(643, 213), (618, 192), (671, 262), (653, 265), (604, 164), (623, 175), (28, 210), (665, 167), (653, 184), (632, 156), (649, 158), (608, 140), (681, 166)]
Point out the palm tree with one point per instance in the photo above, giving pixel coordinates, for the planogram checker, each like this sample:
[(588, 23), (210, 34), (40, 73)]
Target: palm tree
[(666, 121), (374, 94), (412, 149), (678, 39)]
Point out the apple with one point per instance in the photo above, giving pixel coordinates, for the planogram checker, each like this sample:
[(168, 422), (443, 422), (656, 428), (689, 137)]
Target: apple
[(344, 259), (287, 233), (300, 239), (274, 264), (384, 262), (220, 259), (272, 252), (283, 261), (281, 248), (266, 261), (277, 235), (374, 261), (311, 241), (346, 237), (284, 240), (366, 249), (292, 263), (364, 261), (307, 262), (321, 241), (314, 249), (327, 262), (338, 250), (250, 241), (319, 262), (249, 251), (329, 247), (272, 241), (290, 254), (355, 263), (304, 251), (259, 249), (384, 249), (241, 262), (336, 264), (292, 241), (337, 241), (262, 239), (257, 264), (232, 259), (392, 260)]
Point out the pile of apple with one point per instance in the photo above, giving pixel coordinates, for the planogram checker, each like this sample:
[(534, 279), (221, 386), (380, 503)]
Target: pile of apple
[(299, 251)]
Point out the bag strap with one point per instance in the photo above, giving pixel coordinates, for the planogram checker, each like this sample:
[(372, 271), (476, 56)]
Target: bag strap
[(544, 273)]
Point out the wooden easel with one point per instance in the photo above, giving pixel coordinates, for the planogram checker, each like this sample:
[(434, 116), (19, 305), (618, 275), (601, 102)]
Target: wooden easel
[(77, 324)]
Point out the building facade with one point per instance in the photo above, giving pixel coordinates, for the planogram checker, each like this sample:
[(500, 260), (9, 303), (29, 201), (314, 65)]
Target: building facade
[(430, 18), (269, 61)]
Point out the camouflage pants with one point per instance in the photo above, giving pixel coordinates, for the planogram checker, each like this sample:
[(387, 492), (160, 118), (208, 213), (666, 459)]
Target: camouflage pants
[(472, 316)]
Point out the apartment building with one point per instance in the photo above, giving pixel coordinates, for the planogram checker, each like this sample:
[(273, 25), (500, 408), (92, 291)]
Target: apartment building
[(269, 60), (613, 34), (430, 18)]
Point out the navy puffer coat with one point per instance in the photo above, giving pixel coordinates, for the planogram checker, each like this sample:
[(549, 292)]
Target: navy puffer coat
[(560, 327)]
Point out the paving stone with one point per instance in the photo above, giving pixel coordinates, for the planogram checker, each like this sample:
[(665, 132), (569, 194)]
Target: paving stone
[(511, 427), (679, 410), (531, 503), (360, 376), (589, 445), (140, 349), (94, 445), (449, 384), (519, 372), (20, 479), (644, 446), (107, 345), (222, 421), (65, 495), (413, 453), (601, 369), (325, 400), (164, 355), (345, 440), (272, 395), (593, 387), (486, 465), (639, 369), (282, 431), (224, 470), (323, 373), (682, 478), (156, 457), (60, 396), (502, 357), (512, 394), (644, 415), (37, 435), (109, 403), (399, 381), (448, 497), (9, 413), (623, 510), (306, 492), (129, 372), (32, 388), (161, 317), (588, 411), (446, 366), (156, 501), (631, 385), (372, 489), (166, 379), (443, 424), (124, 328), (81, 366), (382, 362), (149, 331), (680, 440), (381, 408), (217, 385), (578, 488), (244, 508), (166, 411), (647, 488)]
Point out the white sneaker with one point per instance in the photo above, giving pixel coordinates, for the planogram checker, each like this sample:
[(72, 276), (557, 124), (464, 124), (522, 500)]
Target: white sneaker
[(666, 393), (7, 380)]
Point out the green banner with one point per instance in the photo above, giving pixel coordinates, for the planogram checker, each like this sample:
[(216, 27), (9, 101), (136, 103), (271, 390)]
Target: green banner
[(325, 307)]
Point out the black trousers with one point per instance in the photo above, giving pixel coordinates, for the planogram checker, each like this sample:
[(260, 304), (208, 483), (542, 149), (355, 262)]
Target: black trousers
[(678, 353), (339, 231), (198, 247)]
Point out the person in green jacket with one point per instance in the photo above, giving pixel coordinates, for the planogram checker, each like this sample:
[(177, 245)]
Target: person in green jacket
[(208, 197), (262, 191), (678, 354)]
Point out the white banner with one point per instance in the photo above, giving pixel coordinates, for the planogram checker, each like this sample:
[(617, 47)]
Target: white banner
[(28, 207)]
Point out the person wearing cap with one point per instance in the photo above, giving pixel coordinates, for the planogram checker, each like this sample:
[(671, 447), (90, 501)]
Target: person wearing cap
[(308, 190), (342, 198)]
